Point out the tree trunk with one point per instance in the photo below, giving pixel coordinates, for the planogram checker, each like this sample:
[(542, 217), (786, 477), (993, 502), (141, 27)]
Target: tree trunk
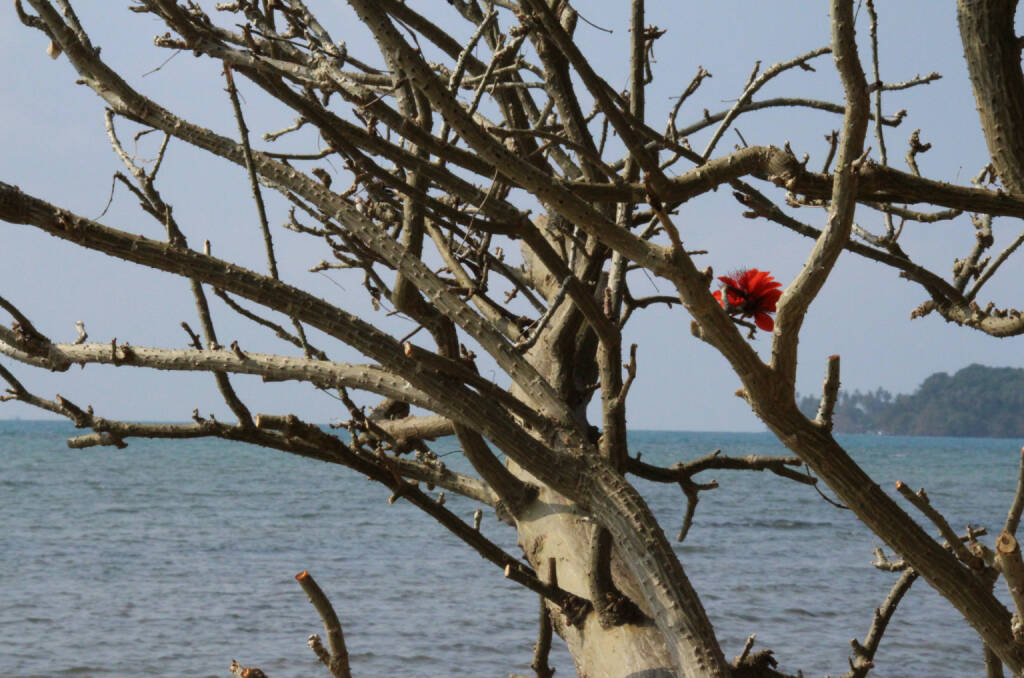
[(553, 528)]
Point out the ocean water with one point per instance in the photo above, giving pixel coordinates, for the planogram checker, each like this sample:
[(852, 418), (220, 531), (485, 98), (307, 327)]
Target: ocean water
[(173, 558)]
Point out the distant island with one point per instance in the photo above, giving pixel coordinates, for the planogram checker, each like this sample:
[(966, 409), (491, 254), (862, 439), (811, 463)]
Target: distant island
[(977, 401)]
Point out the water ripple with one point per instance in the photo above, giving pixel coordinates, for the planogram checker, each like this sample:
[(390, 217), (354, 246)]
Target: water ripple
[(182, 557)]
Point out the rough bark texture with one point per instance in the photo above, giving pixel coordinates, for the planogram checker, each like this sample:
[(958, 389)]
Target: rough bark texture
[(992, 50)]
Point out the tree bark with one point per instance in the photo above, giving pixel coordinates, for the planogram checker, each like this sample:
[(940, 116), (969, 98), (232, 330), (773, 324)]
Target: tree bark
[(992, 50)]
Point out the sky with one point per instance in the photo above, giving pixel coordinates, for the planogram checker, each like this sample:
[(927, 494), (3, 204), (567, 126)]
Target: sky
[(55, 147)]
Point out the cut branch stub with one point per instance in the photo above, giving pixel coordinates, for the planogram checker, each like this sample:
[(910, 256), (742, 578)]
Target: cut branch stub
[(1008, 559), (338, 654)]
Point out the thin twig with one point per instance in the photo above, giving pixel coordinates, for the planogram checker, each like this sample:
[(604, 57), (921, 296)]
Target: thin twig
[(279, 331), (879, 134), (864, 653), (953, 542), (254, 183), (24, 326), (994, 266), (752, 87), (537, 328), (460, 65)]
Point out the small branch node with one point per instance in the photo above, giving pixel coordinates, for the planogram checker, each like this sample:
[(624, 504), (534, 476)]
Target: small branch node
[(239, 353)]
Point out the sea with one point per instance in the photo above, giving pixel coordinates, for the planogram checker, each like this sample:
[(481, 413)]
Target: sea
[(172, 558)]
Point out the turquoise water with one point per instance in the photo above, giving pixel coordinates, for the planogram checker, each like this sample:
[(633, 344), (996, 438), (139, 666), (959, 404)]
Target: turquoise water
[(173, 558)]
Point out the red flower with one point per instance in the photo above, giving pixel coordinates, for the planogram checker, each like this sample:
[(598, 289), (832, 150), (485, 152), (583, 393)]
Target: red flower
[(751, 293)]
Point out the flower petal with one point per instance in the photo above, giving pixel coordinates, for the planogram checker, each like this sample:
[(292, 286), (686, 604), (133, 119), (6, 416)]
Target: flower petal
[(768, 301), (753, 279), (764, 321), (726, 280)]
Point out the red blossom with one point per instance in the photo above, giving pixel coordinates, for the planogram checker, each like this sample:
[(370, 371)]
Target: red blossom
[(751, 293)]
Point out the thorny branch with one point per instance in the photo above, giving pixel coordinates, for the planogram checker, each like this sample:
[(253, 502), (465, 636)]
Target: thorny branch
[(514, 138)]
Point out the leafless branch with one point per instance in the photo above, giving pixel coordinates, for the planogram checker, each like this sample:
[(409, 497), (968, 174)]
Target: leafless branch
[(864, 652), (542, 647), (757, 82), (337, 659), (797, 297), (921, 502), (1017, 507)]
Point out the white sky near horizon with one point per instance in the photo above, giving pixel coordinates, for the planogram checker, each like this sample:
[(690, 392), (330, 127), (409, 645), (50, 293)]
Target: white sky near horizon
[(54, 147)]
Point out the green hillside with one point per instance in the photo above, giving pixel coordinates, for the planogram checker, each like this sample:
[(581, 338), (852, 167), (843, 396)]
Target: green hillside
[(977, 401)]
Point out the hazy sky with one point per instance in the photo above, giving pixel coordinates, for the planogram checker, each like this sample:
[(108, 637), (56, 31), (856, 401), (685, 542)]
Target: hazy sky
[(55, 147)]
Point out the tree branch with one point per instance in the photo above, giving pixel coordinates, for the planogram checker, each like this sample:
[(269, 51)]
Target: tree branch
[(337, 660), (864, 653), (804, 288), (1017, 507)]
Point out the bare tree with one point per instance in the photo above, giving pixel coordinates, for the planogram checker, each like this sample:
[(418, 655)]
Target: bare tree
[(445, 153)]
